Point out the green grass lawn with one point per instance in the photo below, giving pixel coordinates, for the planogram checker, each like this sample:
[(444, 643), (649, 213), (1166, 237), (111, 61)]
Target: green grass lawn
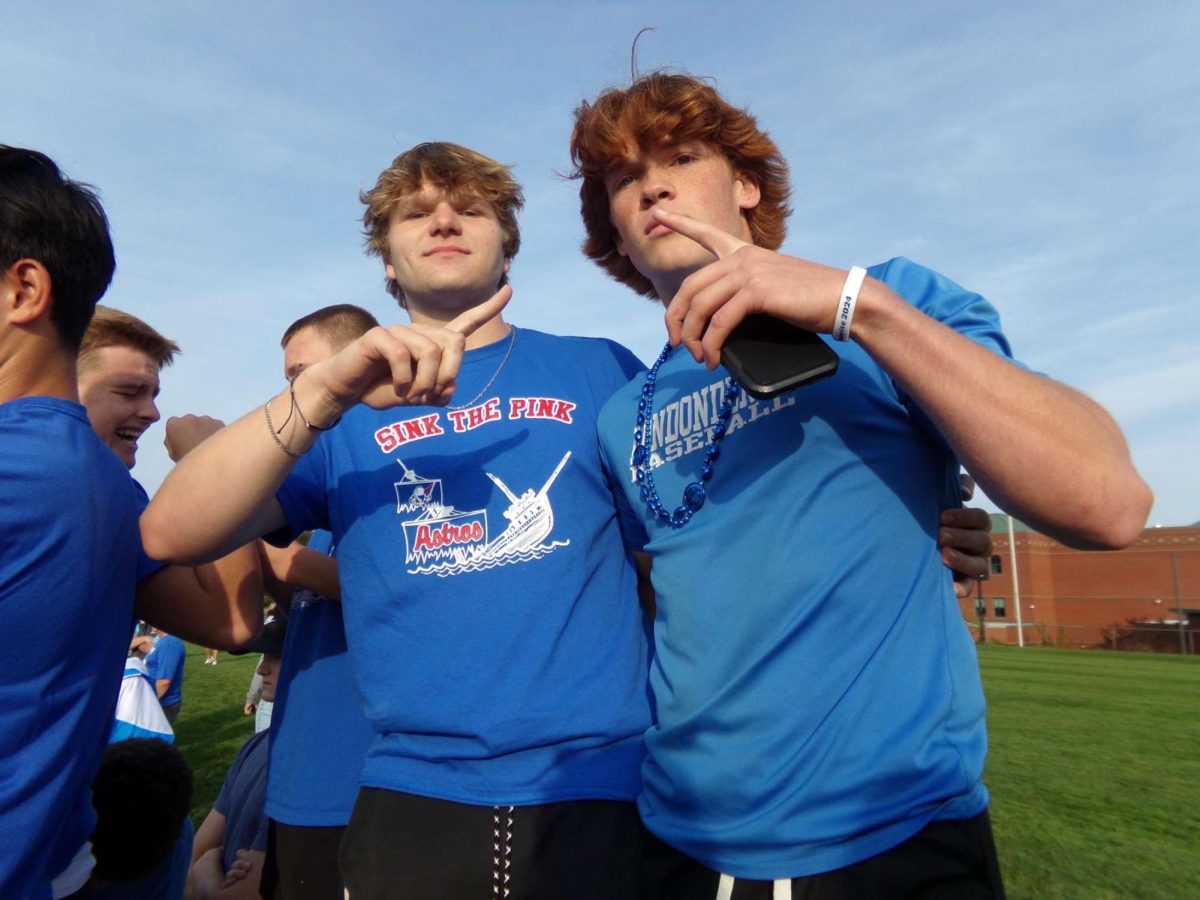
[(1094, 772), (211, 727), (1094, 766)]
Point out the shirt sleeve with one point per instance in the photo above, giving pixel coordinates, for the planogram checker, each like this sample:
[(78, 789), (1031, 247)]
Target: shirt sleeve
[(303, 494), (173, 665), (260, 836), (633, 532), (145, 565), (967, 312)]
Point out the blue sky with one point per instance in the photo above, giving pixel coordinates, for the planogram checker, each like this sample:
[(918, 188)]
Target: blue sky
[(1045, 155)]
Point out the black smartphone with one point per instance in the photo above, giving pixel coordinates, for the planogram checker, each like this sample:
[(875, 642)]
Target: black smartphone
[(769, 357)]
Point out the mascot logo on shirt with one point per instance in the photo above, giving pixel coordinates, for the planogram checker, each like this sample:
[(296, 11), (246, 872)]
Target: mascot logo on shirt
[(442, 540)]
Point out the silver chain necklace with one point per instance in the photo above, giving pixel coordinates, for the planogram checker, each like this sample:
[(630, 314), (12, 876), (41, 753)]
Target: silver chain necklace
[(512, 340)]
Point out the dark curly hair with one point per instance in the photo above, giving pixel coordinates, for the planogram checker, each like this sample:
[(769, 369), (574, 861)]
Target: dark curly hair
[(141, 796)]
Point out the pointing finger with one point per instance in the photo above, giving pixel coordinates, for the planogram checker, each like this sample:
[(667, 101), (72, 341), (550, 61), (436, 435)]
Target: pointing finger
[(710, 237), (466, 323)]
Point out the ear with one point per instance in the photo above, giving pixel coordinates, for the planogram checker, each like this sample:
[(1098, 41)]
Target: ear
[(746, 191), (388, 270), (507, 264), (27, 292)]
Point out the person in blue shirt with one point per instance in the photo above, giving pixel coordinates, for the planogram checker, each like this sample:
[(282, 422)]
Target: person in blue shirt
[(231, 843), (119, 366), (320, 731), (490, 606), (819, 727), (489, 597), (68, 532), (165, 667), (143, 836)]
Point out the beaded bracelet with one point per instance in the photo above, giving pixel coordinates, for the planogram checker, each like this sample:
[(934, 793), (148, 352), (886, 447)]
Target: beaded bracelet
[(275, 434)]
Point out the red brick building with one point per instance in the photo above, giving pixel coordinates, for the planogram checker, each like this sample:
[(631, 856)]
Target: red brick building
[(1145, 597)]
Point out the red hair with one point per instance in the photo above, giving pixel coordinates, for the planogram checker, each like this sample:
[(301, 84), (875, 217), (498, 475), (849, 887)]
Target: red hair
[(661, 109)]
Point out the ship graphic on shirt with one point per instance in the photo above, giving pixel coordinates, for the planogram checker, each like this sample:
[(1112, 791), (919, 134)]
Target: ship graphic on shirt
[(442, 540)]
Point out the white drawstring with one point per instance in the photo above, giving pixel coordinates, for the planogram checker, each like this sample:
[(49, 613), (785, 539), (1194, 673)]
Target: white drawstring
[(782, 888)]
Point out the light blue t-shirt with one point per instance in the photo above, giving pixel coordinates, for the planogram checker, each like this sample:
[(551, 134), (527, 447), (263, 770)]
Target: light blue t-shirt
[(490, 605), (68, 549), (817, 693), (320, 731)]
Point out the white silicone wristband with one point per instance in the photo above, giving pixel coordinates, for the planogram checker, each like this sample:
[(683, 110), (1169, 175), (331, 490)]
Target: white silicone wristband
[(845, 310)]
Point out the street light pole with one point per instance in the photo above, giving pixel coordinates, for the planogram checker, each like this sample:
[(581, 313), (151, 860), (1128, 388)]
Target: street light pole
[(1012, 556), (979, 609)]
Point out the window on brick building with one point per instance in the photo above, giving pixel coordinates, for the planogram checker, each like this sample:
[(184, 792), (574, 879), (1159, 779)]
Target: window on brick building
[(997, 565), (998, 608)]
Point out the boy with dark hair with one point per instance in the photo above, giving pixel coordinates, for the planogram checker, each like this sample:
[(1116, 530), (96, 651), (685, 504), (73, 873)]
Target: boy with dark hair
[(143, 837), (819, 717), (68, 532), (59, 224), (228, 852), (336, 325)]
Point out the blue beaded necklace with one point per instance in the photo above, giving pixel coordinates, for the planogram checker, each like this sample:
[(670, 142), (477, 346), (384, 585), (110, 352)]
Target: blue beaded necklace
[(695, 493)]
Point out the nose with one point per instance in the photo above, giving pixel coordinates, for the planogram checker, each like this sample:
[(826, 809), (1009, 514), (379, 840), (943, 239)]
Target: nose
[(656, 186), (445, 220), (149, 410)]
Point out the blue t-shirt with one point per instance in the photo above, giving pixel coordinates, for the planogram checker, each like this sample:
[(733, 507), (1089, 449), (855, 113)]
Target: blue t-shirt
[(817, 694), (166, 661), (68, 546), (242, 800), (320, 732), (490, 605), (145, 565)]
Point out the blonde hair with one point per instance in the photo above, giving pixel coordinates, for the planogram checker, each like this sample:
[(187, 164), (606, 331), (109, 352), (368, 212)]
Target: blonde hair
[(457, 170), (112, 328)]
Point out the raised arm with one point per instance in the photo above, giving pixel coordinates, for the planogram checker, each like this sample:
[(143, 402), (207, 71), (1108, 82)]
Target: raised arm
[(218, 604), (1040, 449), (222, 495)]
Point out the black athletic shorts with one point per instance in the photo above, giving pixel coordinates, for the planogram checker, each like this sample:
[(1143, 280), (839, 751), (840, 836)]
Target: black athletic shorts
[(302, 863), (401, 845), (947, 860)]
